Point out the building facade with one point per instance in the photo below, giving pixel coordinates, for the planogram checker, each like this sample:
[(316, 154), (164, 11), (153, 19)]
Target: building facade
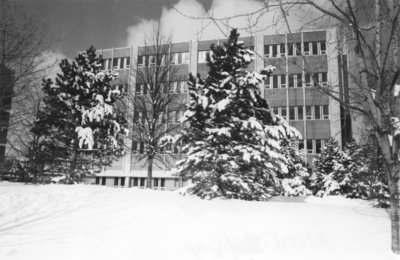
[(307, 64), (6, 94)]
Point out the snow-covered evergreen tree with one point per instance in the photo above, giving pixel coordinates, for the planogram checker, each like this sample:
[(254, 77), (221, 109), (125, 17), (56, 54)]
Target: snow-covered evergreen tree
[(357, 171), (368, 178), (293, 183), (331, 170), (231, 138), (80, 114)]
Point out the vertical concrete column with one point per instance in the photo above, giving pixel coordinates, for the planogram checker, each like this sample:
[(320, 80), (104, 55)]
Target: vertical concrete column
[(259, 57), (304, 97), (333, 82), (126, 163), (287, 78), (193, 54)]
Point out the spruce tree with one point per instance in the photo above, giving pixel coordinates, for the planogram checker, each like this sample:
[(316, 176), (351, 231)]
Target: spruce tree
[(293, 182), (330, 167), (80, 115), (356, 171), (231, 138)]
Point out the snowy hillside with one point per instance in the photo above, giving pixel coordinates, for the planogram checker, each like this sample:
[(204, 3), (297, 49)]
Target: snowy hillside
[(92, 222)]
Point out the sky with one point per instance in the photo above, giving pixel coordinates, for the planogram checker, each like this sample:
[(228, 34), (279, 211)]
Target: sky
[(77, 24)]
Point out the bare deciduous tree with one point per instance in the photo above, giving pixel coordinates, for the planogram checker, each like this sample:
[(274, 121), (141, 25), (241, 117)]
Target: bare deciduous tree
[(157, 102), (24, 46)]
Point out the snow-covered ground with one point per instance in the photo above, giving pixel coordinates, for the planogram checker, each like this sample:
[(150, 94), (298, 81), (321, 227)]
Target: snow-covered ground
[(93, 222)]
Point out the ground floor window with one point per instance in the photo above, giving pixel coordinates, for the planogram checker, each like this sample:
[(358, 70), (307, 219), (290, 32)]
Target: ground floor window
[(142, 181), (103, 180), (97, 180)]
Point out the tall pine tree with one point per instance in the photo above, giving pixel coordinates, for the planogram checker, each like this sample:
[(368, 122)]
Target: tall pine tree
[(231, 138), (80, 115)]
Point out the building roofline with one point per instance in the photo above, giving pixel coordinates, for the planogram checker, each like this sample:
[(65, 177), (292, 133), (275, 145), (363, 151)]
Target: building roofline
[(263, 35)]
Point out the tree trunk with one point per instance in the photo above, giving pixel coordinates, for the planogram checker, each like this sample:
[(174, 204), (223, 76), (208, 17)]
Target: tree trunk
[(74, 156), (149, 172), (394, 188)]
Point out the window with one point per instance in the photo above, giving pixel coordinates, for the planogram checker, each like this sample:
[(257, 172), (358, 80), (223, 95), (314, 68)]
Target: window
[(202, 56), (317, 114), (299, 82), (291, 81), (141, 61), (162, 182), (275, 110), (134, 147), (275, 81), (155, 182), (121, 88), (301, 144), (300, 113), (176, 149), (283, 81), (160, 59), (142, 181), (267, 82), (314, 48), (138, 89), (291, 49), (282, 50), (172, 117), (115, 63), (180, 58), (309, 113), (267, 51), (141, 148), (176, 183), (152, 60), (318, 145), (310, 146), (135, 181), (174, 87), (315, 79), (185, 57), (322, 48), (122, 181), (307, 80), (103, 181), (324, 79), (325, 112), (138, 117), (292, 114), (306, 48), (174, 58), (165, 88), (127, 62), (97, 180), (284, 112), (115, 181), (274, 50), (298, 49), (160, 118), (106, 64), (179, 116), (184, 87)]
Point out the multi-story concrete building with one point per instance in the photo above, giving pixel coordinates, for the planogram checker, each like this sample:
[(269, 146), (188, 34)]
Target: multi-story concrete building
[(302, 60)]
